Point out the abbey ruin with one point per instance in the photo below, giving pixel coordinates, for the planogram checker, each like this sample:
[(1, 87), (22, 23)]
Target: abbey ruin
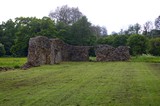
[(43, 50)]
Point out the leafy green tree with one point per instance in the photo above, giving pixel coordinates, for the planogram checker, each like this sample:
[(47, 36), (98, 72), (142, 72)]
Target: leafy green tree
[(24, 32), (101, 40), (81, 33), (30, 27), (2, 50), (106, 40), (47, 27), (63, 31), (120, 40), (114, 40), (7, 35), (138, 44), (155, 46)]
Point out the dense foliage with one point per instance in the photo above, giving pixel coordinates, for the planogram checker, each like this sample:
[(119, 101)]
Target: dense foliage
[(70, 25), (2, 50), (155, 46), (138, 44)]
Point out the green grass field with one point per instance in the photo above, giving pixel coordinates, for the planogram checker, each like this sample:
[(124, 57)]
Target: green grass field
[(12, 62), (81, 84)]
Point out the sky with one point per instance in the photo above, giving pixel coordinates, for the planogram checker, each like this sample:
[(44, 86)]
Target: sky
[(113, 14)]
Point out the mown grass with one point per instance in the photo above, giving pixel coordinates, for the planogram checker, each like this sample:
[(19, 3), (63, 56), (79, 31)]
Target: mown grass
[(83, 84), (12, 62), (146, 58)]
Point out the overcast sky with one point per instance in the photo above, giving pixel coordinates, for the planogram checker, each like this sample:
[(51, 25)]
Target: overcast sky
[(113, 14)]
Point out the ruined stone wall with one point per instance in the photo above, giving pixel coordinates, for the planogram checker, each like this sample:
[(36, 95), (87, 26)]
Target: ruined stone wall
[(75, 53), (109, 53), (43, 50), (38, 51), (79, 53), (56, 51)]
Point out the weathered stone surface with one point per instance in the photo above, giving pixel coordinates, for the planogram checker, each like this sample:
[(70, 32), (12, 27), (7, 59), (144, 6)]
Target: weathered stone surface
[(43, 50), (56, 51), (109, 53), (79, 53), (52, 51), (38, 52)]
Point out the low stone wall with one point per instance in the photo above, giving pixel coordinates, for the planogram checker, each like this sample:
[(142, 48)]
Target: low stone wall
[(79, 53), (75, 53), (109, 53)]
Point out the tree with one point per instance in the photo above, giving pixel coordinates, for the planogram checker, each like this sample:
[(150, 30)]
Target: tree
[(134, 29), (104, 31), (131, 30), (114, 33), (7, 36), (66, 14), (99, 31), (157, 23), (120, 40), (137, 28), (138, 44), (81, 33), (31, 27), (2, 50), (63, 31), (148, 26), (107, 40), (155, 46), (96, 30), (155, 33)]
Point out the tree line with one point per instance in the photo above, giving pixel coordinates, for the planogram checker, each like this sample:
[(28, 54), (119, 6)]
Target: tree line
[(71, 26)]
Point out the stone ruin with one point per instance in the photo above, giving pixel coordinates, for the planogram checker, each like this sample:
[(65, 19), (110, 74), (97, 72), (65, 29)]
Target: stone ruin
[(43, 50), (109, 53)]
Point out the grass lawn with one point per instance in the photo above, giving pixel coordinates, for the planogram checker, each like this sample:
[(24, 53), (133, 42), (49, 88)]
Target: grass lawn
[(146, 58), (82, 84), (12, 62)]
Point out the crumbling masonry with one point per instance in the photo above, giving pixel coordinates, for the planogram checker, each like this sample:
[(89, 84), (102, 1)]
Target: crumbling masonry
[(109, 53), (43, 50)]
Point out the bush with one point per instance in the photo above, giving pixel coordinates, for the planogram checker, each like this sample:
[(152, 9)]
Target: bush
[(106, 40), (16, 66), (155, 46), (2, 50), (138, 44), (120, 40)]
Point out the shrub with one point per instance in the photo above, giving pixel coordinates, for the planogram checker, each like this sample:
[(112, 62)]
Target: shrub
[(138, 44), (155, 46), (16, 66), (120, 40)]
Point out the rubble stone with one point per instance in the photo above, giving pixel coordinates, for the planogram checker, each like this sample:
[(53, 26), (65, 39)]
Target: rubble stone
[(109, 53), (43, 50)]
